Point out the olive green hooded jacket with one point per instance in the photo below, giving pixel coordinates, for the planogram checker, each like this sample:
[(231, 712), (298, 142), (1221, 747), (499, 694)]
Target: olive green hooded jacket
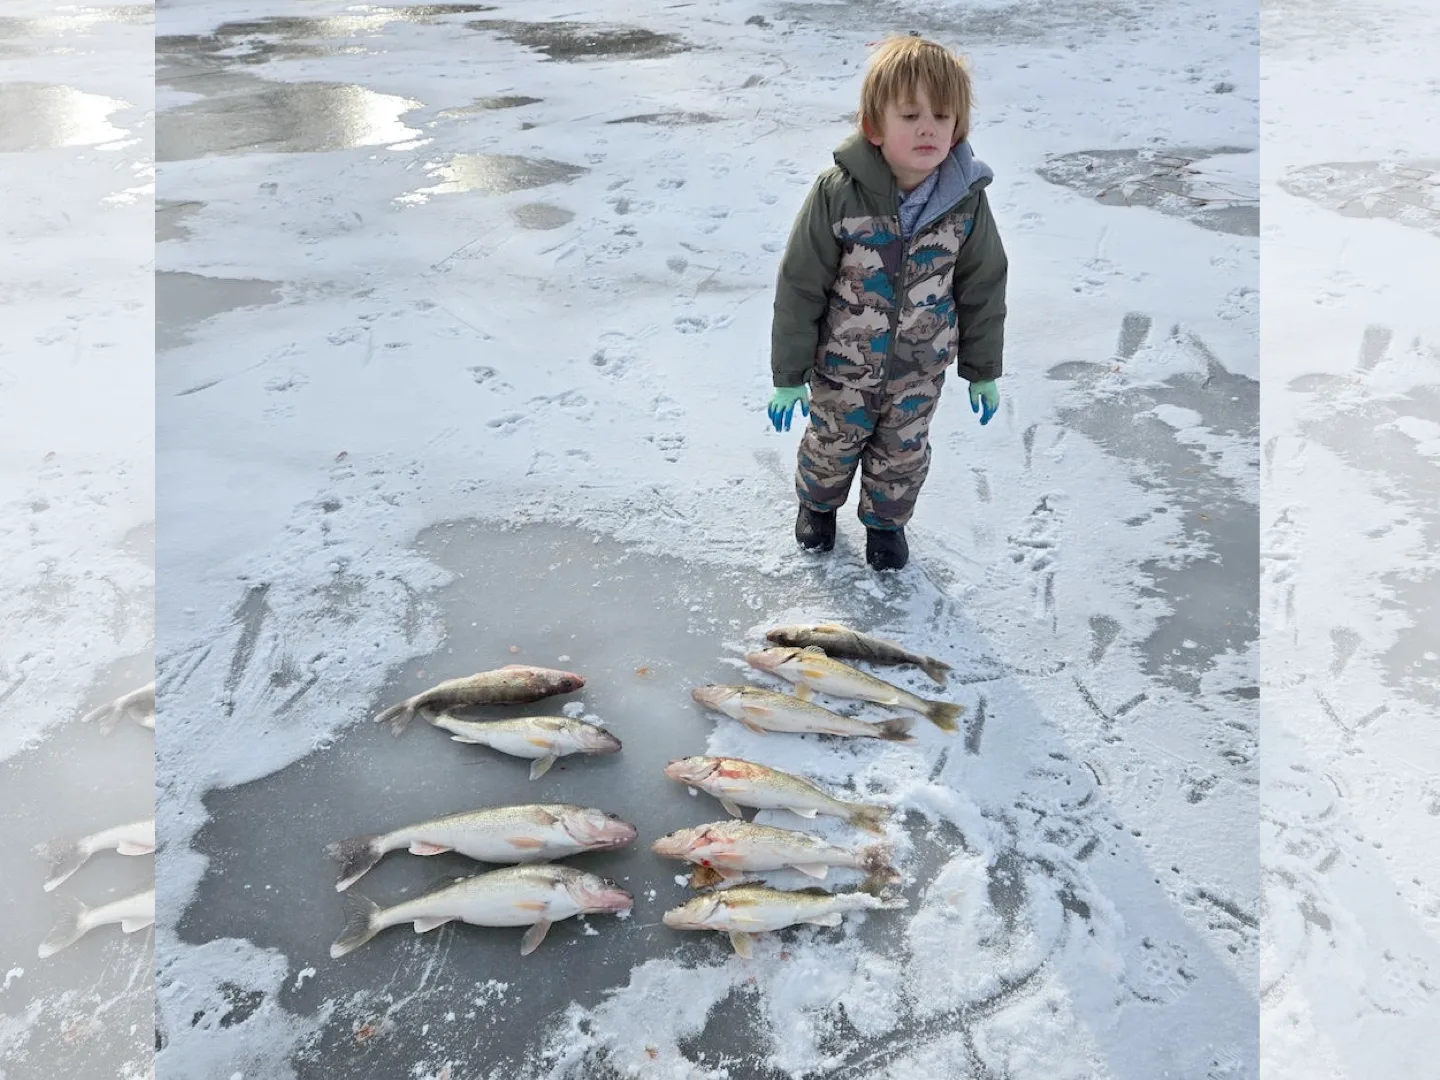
[(860, 305)]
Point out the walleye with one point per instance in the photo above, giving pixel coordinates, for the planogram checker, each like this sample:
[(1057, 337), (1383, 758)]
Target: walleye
[(137, 705), (543, 738), (839, 640), (501, 834), (732, 847), (76, 920), (752, 909), (513, 684), (765, 710), (810, 669), (737, 783), (67, 856), (533, 896)]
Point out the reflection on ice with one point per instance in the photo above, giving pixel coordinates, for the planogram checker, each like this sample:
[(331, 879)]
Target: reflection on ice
[(42, 116), (493, 174), (284, 118)]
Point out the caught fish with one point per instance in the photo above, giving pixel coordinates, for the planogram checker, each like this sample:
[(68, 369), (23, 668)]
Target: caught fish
[(765, 710), (533, 896), (76, 920), (736, 783), (137, 705), (732, 847), (501, 834), (837, 640), (753, 909), (543, 738), (810, 669), (67, 856), (513, 684)]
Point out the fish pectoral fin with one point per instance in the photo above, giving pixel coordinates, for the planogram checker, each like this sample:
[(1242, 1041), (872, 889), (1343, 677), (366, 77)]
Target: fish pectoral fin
[(424, 847), (140, 922), (830, 918), (540, 741), (524, 843), (746, 719), (741, 942), (536, 934), (805, 812), (803, 691), (530, 905), (466, 739), (811, 672), (813, 869), (131, 847), (430, 922), (833, 628), (731, 808), (540, 766)]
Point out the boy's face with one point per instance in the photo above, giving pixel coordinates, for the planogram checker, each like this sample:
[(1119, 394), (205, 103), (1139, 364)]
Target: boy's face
[(916, 138)]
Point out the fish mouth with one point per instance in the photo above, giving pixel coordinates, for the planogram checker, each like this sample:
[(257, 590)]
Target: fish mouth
[(601, 741), (672, 846), (691, 770), (691, 916), (768, 659), (600, 831), (711, 695), (605, 898)]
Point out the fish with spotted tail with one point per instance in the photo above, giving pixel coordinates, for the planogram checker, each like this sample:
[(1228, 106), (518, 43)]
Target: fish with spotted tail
[(534, 896), (513, 684), (849, 644), (810, 669), (736, 783), (499, 834), (754, 909)]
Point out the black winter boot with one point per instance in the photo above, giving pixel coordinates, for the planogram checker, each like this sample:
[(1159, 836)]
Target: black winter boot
[(815, 529), (886, 549)]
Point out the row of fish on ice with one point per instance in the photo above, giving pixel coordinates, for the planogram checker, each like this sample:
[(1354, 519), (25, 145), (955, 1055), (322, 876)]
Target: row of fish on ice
[(532, 892), (134, 912)]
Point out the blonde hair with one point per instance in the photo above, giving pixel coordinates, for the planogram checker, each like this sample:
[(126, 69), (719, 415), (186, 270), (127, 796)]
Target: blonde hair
[(899, 66)]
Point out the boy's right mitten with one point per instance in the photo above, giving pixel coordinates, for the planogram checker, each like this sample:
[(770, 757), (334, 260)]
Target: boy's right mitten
[(783, 402)]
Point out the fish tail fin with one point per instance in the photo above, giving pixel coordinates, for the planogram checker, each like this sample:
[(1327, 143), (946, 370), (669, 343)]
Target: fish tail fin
[(938, 670), (362, 922), (943, 714), (398, 716), (107, 715), (64, 857), (875, 861), (869, 817), (70, 926), (897, 729), (355, 856)]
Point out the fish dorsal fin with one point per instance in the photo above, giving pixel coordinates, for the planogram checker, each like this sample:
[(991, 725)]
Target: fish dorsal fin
[(813, 650)]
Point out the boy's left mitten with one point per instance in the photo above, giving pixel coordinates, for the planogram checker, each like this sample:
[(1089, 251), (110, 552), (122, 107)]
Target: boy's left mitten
[(783, 402)]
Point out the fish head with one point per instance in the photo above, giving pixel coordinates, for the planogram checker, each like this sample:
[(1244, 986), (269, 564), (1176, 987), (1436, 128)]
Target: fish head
[(713, 696), (691, 770), (678, 844), (786, 635), (563, 682), (596, 740), (595, 894), (770, 659), (693, 914), (597, 830)]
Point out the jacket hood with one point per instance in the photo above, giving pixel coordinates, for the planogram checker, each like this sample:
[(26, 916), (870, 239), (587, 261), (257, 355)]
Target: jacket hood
[(960, 172)]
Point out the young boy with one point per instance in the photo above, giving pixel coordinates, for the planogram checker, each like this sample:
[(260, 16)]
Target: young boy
[(894, 269)]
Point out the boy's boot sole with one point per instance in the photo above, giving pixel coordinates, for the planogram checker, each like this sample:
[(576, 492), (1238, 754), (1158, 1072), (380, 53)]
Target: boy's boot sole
[(814, 530), (886, 549)]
